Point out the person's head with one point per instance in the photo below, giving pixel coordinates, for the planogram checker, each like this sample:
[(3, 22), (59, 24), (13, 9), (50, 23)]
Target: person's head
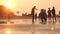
[(34, 7), (53, 7), (49, 8), (42, 10)]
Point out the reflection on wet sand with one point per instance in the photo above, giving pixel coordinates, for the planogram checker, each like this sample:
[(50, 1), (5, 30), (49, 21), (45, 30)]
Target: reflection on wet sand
[(8, 22), (23, 26), (8, 32)]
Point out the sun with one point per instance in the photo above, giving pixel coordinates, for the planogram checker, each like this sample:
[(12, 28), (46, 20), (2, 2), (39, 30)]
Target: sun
[(8, 5)]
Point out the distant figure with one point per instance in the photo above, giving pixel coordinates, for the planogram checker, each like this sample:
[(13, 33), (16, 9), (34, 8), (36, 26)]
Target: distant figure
[(49, 13), (54, 14), (32, 13), (35, 16), (43, 15)]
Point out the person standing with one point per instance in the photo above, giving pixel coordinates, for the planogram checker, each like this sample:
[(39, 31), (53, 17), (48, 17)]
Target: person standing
[(54, 14), (49, 14), (32, 13)]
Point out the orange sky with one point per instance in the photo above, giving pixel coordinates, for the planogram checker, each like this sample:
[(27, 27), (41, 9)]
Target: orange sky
[(26, 5)]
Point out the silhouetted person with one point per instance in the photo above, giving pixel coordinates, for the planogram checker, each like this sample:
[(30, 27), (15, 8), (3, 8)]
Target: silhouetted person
[(53, 13), (45, 18), (49, 13), (35, 16), (43, 15), (32, 13)]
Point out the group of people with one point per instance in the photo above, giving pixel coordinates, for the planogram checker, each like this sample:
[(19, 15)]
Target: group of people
[(43, 15)]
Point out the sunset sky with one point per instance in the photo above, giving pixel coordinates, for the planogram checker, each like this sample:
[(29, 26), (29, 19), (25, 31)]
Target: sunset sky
[(26, 5)]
